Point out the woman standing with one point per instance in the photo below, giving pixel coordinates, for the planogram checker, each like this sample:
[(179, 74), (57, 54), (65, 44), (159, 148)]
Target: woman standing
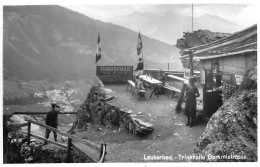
[(190, 105)]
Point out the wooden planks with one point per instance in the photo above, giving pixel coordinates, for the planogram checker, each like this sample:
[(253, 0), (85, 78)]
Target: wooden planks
[(90, 152), (50, 141), (88, 148), (172, 88), (178, 78), (88, 143)]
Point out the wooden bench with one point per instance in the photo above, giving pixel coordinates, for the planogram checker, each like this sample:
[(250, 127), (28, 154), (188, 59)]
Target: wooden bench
[(171, 88), (132, 84)]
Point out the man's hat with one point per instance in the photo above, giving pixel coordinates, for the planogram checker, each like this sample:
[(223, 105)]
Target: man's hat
[(53, 105), (192, 79)]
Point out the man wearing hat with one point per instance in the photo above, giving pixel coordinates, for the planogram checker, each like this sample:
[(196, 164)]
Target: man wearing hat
[(52, 121), (190, 105)]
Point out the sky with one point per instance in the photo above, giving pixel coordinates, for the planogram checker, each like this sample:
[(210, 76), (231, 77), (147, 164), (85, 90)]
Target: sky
[(240, 14)]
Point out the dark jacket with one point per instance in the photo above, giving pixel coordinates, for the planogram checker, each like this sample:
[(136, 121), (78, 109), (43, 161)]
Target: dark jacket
[(140, 66), (161, 77), (52, 118), (190, 104)]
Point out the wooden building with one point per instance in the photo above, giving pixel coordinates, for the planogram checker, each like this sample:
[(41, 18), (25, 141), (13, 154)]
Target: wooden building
[(222, 65)]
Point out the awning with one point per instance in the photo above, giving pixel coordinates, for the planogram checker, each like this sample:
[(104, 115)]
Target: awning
[(223, 55)]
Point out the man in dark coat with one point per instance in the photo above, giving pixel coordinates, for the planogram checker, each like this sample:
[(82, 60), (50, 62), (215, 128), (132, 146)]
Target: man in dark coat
[(140, 65), (190, 106), (52, 121)]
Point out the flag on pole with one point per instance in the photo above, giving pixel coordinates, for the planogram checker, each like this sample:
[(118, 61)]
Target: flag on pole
[(98, 52), (139, 44)]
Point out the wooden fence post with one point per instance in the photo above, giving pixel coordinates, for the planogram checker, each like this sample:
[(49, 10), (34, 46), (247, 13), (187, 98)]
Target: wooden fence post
[(178, 106), (29, 133), (68, 150), (191, 63), (105, 150), (204, 97), (101, 151)]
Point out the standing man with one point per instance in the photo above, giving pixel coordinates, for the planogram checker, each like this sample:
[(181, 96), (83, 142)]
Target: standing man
[(190, 106), (52, 121)]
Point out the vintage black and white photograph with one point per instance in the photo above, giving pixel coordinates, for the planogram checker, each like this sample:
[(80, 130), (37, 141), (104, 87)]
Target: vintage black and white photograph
[(140, 82)]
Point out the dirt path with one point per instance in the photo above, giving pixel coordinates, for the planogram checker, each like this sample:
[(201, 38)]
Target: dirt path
[(171, 136)]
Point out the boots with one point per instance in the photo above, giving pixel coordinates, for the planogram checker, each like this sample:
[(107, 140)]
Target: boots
[(55, 136), (191, 122), (188, 121)]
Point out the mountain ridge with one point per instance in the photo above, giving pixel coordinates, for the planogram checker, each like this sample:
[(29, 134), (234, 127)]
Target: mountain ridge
[(53, 42), (169, 26)]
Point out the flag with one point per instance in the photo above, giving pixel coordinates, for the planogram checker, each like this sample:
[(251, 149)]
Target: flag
[(98, 52), (139, 44)]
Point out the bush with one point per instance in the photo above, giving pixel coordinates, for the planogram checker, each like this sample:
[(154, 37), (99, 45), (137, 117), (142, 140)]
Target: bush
[(249, 81)]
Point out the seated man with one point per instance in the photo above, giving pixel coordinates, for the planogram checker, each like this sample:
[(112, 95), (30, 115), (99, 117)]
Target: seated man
[(140, 88), (161, 77), (137, 79)]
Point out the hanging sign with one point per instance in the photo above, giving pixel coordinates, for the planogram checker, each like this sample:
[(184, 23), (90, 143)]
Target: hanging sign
[(115, 74)]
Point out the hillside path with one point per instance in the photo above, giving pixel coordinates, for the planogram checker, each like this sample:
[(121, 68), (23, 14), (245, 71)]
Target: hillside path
[(171, 136)]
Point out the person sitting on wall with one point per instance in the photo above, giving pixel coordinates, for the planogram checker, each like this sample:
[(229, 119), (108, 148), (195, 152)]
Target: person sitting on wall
[(140, 67), (161, 77)]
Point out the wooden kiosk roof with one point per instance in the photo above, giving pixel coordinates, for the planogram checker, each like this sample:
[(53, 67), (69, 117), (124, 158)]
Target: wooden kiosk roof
[(240, 42)]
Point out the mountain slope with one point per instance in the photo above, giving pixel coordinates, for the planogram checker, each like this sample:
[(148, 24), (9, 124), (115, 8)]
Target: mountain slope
[(52, 42), (168, 26)]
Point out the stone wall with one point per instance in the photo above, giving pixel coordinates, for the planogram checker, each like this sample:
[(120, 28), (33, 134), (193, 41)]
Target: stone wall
[(96, 109), (20, 152), (232, 130)]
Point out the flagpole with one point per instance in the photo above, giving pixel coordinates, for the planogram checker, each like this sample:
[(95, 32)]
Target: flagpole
[(142, 51), (98, 51), (96, 67), (142, 56)]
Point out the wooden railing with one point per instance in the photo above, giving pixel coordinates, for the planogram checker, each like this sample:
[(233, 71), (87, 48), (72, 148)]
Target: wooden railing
[(101, 150), (30, 112)]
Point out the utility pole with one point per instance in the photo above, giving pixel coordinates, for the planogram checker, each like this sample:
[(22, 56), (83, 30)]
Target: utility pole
[(178, 106), (192, 18), (190, 52), (191, 63)]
